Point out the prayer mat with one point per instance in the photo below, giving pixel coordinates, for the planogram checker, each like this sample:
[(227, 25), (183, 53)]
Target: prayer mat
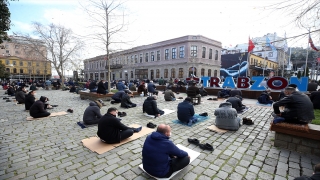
[(267, 105), (289, 126), (200, 119), (216, 129), (51, 115), (96, 145), (166, 111), (193, 155)]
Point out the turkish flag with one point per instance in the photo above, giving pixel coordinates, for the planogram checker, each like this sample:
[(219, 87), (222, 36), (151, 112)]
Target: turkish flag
[(311, 44), (251, 45)]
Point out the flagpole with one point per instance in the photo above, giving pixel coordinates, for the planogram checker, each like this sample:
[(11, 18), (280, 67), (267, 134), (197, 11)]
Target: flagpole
[(247, 64), (264, 61), (305, 69)]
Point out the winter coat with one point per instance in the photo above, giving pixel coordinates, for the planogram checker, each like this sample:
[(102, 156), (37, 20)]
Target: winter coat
[(118, 95), (315, 176), (185, 111), (109, 128), (150, 106), (125, 101), (29, 100), (133, 88), (235, 102), (37, 107), (298, 105), (226, 117), (20, 96), (193, 91), (151, 87), (92, 113), (121, 86), (264, 98), (315, 98), (235, 92), (92, 85), (11, 91), (141, 88), (156, 153), (101, 88), (168, 95)]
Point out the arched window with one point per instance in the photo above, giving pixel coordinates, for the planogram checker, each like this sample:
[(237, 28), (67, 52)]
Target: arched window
[(204, 52), (215, 74), (192, 71), (173, 73), (165, 73), (180, 72), (216, 55), (157, 73), (21, 71), (152, 74), (202, 72), (131, 74), (14, 70), (209, 72)]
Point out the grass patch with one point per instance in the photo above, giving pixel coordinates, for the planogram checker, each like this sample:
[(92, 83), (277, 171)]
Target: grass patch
[(114, 90), (317, 117)]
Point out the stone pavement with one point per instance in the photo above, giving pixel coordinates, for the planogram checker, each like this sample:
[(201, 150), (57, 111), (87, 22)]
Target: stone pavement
[(51, 148)]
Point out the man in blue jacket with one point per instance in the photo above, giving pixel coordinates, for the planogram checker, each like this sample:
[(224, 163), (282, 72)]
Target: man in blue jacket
[(160, 157), (186, 112), (121, 86), (152, 88)]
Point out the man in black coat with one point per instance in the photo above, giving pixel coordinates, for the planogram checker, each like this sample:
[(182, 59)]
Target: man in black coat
[(21, 95), (92, 113), (101, 88), (236, 103), (315, 176), (111, 130), (126, 102), (298, 107), (235, 92), (29, 100), (315, 98), (186, 112), (150, 107), (92, 86), (193, 91), (312, 86), (37, 110)]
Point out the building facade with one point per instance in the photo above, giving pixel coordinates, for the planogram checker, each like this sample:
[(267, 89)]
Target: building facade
[(175, 58), (257, 64), (20, 68)]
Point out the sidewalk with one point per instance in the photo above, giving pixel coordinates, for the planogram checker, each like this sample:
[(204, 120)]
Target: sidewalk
[(51, 148)]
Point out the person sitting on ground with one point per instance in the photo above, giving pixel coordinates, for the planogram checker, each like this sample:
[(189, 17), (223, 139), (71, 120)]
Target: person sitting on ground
[(298, 107), (33, 87), (92, 113), (179, 86), (265, 97), (37, 110), (126, 102), (73, 89), (111, 130), (150, 107), (11, 91), (29, 100), (193, 91), (315, 99), (315, 176), (224, 93), (21, 95), (161, 81), (236, 103), (160, 157), (234, 92), (168, 94), (186, 112), (152, 88), (226, 117), (142, 88), (203, 92), (48, 84), (118, 96), (102, 88), (312, 86), (93, 86), (133, 87), (121, 86)]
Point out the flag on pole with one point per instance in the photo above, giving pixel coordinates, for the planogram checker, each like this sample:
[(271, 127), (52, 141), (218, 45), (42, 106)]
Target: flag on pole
[(269, 44), (251, 45), (311, 44)]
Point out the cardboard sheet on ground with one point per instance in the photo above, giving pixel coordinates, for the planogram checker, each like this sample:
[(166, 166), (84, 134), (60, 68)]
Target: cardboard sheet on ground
[(216, 129), (200, 119), (166, 111), (96, 145), (267, 105), (51, 115), (193, 155)]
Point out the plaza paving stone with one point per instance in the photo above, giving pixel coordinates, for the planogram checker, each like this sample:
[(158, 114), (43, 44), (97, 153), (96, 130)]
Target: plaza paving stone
[(51, 148)]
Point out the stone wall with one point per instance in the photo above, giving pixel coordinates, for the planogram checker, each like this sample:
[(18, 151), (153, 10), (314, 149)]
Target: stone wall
[(299, 144)]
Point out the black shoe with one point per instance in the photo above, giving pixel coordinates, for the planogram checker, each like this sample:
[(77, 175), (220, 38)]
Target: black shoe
[(206, 146), (210, 99), (193, 141), (249, 122), (203, 114), (54, 105), (8, 100), (151, 125), (244, 120), (112, 102), (70, 110)]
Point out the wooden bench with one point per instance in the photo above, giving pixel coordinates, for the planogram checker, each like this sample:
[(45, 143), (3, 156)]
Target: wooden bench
[(94, 96), (300, 138)]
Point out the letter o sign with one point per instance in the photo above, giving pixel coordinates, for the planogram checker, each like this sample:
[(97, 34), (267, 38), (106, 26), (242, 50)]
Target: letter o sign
[(284, 83)]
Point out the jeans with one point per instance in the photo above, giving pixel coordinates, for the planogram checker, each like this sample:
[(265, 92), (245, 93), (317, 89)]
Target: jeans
[(177, 164), (192, 120), (173, 99), (93, 90), (125, 134)]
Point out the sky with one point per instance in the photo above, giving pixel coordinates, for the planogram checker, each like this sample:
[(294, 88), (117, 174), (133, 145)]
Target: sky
[(149, 21)]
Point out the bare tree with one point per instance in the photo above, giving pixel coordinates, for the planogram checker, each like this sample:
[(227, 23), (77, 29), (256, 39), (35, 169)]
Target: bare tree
[(62, 46), (109, 18)]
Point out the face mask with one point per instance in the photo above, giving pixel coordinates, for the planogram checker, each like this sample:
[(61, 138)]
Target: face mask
[(170, 134)]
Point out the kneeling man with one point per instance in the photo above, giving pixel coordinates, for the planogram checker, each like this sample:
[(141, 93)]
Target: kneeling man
[(160, 157), (226, 117), (186, 112)]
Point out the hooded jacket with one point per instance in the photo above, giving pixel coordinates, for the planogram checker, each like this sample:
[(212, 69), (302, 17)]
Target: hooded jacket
[(101, 88), (155, 154), (38, 107), (185, 111), (20, 96), (125, 101), (121, 86), (109, 128), (92, 113), (150, 106), (298, 105), (29, 100), (226, 117), (168, 95)]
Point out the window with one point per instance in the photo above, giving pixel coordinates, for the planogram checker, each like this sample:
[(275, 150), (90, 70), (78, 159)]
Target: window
[(202, 72), (7, 51), (147, 57), (21, 63), (174, 53), (210, 53), (132, 58), (136, 58), (165, 73), (7, 62), (157, 73), (14, 63), (17, 52), (120, 74), (16, 46), (7, 46), (209, 72), (166, 54), (216, 55), (215, 73), (14, 70), (30, 71), (38, 71), (152, 56), (204, 52), (193, 51), (158, 55), (29, 63), (181, 52), (131, 74), (140, 58), (173, 73), (180, 72), (21, 71)]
